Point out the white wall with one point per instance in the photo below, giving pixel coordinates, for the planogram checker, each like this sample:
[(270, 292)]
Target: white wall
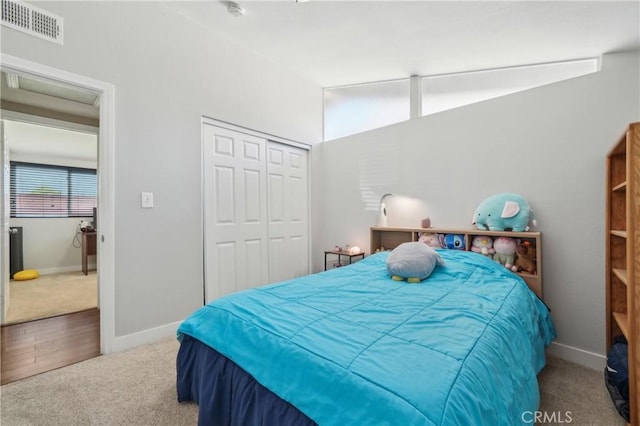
[(168, 73), (548, 144), (52, 245)]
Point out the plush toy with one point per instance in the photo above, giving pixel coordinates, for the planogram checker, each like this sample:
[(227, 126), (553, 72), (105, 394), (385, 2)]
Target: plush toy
[(505, 248), (454, 241), (412, 261), (432, 240), (526, 258), (483, 244), (503, 212)]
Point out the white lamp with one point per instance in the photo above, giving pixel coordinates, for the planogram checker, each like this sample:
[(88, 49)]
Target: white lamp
[(382, 216)]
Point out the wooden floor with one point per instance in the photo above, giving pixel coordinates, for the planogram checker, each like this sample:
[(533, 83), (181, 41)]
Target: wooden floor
[(34, 347)]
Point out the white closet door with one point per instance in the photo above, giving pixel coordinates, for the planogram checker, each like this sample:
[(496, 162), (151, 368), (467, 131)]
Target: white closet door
[(235, 214), (288, 202)]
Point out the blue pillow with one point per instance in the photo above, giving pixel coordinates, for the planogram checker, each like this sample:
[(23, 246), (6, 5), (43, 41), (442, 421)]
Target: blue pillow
[(412, 261)]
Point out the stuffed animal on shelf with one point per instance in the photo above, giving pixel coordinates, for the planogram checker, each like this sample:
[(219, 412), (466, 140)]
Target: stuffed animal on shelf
[(454, 241), (505, 248), (526, 258), (483, 244), (432, 240), (504, 212)]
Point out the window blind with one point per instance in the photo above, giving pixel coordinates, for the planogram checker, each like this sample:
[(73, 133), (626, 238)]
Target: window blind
[(41, 190)]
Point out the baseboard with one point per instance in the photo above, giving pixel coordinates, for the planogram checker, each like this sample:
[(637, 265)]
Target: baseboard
[(145, 337), (61, 269), (578, 356)]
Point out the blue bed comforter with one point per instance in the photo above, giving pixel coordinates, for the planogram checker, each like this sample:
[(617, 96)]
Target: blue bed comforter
[(352, 346)]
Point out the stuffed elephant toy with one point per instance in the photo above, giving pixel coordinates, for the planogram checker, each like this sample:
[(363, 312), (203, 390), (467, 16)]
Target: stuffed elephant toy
[(504, 212)]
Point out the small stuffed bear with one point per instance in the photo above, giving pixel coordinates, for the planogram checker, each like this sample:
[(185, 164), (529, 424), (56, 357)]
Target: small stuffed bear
[(432, 240), (505, 248), (483, 244), (525, 258)]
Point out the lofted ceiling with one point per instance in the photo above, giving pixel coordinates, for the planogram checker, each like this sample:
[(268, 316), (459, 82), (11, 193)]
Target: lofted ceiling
[(334, 43)]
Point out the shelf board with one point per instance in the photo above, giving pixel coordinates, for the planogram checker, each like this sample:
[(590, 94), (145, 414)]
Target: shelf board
[(622, 234), (469, 231), (621, 274), (620, 187), (623, 322)]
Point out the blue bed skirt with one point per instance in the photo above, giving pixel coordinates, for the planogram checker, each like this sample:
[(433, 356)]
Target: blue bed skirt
[(226, 394)]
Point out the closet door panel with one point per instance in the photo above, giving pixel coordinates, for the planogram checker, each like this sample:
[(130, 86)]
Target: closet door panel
[(236, 249), (288, 211), (298, 200), (276, 199), (300, 259), (278, 270), (253, 197), (224, 195), (255, 263), (226, 273)]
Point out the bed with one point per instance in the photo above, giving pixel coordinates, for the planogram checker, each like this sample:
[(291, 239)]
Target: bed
[(352, 346)]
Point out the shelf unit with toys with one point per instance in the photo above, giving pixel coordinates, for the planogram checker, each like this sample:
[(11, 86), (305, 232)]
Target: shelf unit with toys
[(383, 238)]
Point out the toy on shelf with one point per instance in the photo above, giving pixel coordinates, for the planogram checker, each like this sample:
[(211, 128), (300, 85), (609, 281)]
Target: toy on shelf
[(504, 212), (454, 241), (505, 248), (432, 240), (483, 244), (526, 257)]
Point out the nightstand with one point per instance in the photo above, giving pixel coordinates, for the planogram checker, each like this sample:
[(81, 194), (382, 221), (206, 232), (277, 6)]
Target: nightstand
[(340, 254)]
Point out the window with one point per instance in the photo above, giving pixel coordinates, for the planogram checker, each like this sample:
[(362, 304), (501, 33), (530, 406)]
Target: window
[(354, 109), (40, 190), (440, 93)]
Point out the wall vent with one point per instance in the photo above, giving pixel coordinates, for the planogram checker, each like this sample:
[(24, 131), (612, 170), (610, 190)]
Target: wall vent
[(32, 20)]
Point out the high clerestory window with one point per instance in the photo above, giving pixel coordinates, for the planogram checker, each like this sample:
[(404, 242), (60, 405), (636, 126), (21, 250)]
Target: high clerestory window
[(358, 108), (40, 190)]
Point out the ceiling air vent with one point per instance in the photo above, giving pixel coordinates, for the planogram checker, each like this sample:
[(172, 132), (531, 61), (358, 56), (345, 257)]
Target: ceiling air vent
[(32, 20)]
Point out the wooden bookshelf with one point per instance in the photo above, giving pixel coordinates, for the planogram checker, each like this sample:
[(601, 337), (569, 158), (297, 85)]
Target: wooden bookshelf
[(622, 262)]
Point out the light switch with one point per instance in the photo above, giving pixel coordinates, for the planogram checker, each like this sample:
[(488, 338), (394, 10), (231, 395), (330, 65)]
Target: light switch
[(146, 200)]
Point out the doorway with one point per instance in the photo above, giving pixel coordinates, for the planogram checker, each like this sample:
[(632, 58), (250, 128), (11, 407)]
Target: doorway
[(47, 76), (53, 193)]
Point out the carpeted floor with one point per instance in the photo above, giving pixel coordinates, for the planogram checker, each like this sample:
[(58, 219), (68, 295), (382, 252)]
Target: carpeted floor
[(137, 387), (51, 295), (567, 387)]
